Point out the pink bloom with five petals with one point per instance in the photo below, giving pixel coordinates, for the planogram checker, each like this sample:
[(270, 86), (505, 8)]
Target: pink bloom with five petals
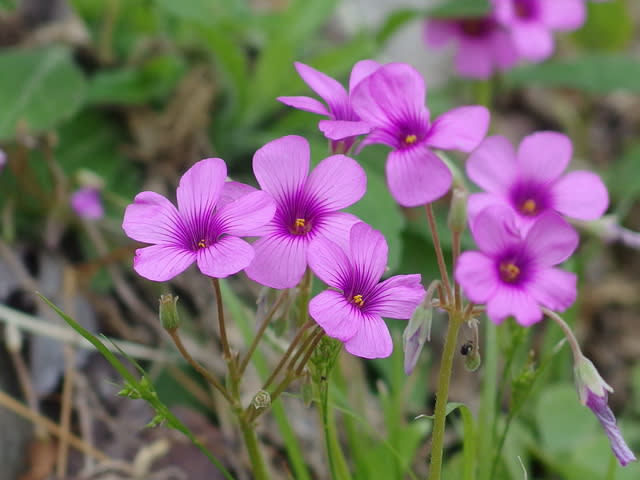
[(392, 100), (514, 273), (483, 46), (353, 312), (308, 206), (530, 23), (205, 228), (344, 125), (531, 180)]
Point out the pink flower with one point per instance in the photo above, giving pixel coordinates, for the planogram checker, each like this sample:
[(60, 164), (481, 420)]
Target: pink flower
[(593, 391), (483, 46), (513, 273), (308, 206), (344, 125), (392, 100), (353, 312), (205, 227), (86, 202), (531, 22), (531, 180)]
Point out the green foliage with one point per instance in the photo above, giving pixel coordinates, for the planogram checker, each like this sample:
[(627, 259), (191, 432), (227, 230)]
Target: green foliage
[(38, 90), (609, 26)]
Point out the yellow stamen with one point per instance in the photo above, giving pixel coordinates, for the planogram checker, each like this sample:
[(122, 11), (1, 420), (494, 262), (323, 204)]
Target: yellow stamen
[(202, 244), (509, 272), (529, 207), (357, 299), (410, 139), (300, 222)]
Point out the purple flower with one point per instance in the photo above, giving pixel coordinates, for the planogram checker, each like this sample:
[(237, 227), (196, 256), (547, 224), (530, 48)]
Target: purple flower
[(531, 22), (483, 46), (392, 99), (3, 159), (531, 180), (307, 207), (353, 312), (593, 394), (344, 125), (86, 202), (202, 229), (513, 272)]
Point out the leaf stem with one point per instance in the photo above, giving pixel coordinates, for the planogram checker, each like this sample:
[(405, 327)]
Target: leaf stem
[(442, 266)]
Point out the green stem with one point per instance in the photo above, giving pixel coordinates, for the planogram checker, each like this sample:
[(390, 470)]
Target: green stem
[(442, 266), (442, 395), (258, 467), (487, 400)]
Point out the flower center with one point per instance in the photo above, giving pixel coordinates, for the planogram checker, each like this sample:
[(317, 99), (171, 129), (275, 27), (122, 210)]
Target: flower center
[(410, 139), (509, 272), (202, 243), (300, 227), (525, 9), (476, 27), (529, 207), (358, 300)]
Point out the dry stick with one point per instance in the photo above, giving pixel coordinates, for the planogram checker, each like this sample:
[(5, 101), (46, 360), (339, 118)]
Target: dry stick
[(260, 332), (199, 368), (318, 336), (52, 427), (442, 266), (24, 381)]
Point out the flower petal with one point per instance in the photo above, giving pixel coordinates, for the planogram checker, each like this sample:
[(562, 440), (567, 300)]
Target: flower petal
[(580, 195), (554, 288), (495, 230), (507, 301), (474, 59), (477, 202), (492, 166), (337, 317), (550, 239), (151, 218), (200, 187), (397, 297), (506, 55), (280, 261), (543, 156), (476, 274), (336, 226), (438, 33), (394, 91), (563, 15), (329, 89), (360, 71), (247, 215), (372, 340), (329, 262), (337, 182), (307, 104), (340, 129), (369, 252), (462, 128), (162, 262), (416, 176), (533, 41), (281, 166), (225, 257), (231, 191)]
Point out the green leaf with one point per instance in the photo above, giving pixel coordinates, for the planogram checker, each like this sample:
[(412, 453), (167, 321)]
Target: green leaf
[(395, 21), (38, 88), (594, 73), (609, 26), (461, 8), (205, 12)]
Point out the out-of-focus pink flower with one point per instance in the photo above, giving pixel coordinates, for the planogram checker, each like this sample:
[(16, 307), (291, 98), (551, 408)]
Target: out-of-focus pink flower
[(3, 159), (482, 45), (392, 100), (531, 23), (353, 312), (344, 126), (531, 181), (203, 229), (87, 203), (308, 206), (513, 273), (593, 391)]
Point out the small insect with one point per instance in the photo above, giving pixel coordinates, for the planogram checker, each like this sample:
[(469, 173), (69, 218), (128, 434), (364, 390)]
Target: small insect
[(466, 348)]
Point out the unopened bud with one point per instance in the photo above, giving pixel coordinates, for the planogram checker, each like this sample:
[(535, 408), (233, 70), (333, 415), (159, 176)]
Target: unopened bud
[(418, 331), (588, 379), (261, 400), (457, 221), (169, 312)]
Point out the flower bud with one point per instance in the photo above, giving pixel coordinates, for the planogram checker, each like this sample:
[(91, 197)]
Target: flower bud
[(457, 220), (418, 331), (593, 391), (472, 359), (169, 312)]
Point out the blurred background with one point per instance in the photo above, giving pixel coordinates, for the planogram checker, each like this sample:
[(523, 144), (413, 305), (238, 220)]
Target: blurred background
[(108, 98)]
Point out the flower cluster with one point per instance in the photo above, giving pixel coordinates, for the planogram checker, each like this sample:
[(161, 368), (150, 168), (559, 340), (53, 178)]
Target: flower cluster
[(512, 30)]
